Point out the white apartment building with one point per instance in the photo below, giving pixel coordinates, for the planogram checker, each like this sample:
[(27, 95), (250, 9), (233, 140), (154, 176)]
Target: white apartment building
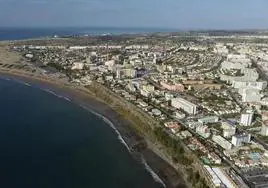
[(250, 95), (185, 105), (254, 85), (228, 130), (228, 133), (246, 119), (222, 142), (250, 75), (209, 119), (264, 129), (238, 140)]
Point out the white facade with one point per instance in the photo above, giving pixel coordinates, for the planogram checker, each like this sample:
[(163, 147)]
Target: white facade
[(233, 65), (194, 124), (110, 63), (203, 131), (250, 75), (185, 105), (246, 119), (254, 85), (168, 96), (209, 119), (222, 142), (145, 93), (264, 130), (250, 95), (238, 140), (228, 133), (77, 66)]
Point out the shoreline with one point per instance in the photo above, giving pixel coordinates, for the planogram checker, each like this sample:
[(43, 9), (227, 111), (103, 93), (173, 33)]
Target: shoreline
[(153, 163)]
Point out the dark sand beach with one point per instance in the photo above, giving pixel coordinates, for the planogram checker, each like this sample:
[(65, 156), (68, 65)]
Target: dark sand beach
[(163, 170)]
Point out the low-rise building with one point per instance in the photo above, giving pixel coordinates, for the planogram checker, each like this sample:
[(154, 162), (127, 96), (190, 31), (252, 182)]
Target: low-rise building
[(209, 119), (225, 144), (214, 157), (186, 134), (156, 112), (203, 131)]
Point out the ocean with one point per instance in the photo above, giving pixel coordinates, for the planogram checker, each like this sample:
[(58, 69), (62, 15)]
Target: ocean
[(48, 141), (27, 33)]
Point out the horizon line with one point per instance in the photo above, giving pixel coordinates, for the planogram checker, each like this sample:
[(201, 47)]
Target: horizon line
[(133, 27)]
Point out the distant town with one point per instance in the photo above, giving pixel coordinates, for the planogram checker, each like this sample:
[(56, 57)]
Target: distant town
[(206, 91)]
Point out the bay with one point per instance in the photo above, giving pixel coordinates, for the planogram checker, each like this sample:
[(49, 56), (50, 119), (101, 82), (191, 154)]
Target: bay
[(28, 33), (47, 141)]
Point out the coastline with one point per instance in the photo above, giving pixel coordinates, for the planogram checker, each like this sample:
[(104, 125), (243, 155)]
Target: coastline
[(148, 155)]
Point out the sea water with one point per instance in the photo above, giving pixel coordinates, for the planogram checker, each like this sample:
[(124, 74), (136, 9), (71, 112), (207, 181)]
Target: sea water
[(47, 141)]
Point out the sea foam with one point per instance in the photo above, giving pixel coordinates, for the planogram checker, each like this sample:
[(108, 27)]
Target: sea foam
[(106, 120), (119, 136), (143, 161), (153, 174)]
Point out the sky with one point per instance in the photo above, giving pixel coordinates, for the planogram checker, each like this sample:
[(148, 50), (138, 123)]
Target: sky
[(179, 14)]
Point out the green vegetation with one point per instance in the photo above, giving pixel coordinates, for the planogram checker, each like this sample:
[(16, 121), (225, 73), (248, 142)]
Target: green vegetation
[(263, 138), (173, 146), (146, 126), (264, 107), (195, 178)]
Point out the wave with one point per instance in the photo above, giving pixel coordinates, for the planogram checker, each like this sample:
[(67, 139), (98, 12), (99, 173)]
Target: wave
[(153, 174), (55, 94), (106, 120), (147, 167), (27, 84), (19, 81)]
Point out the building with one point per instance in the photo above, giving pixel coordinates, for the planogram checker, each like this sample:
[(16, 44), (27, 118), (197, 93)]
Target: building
[(179, 115), (203, 131), (246, 118), (249, 75), (238, 140), (156, 112), (77, 66), (173, 126), (228, 130), (225, 178), (209, 119), (145, 93), (228, 133), (185, 105), (222, 142), (148, 87), (254, 85), (250, 95), (168, 96), (172, 87), (186, 134), (125, 73), (264, 129), (193, 124), (110, 63), (214, 157), (212, 177)]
